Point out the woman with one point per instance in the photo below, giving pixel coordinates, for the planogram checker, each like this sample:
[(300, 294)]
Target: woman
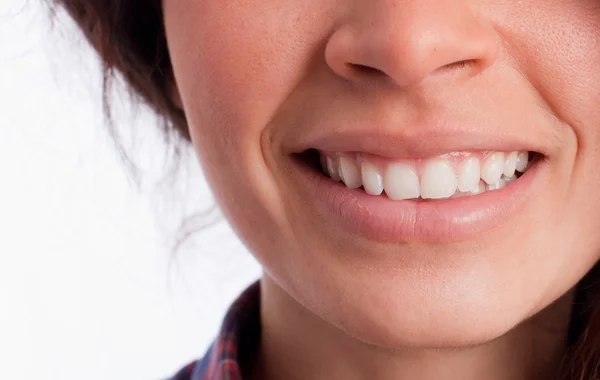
[(418, 178)]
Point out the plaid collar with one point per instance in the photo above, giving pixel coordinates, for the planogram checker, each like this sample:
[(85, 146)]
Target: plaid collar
[(237, 340)]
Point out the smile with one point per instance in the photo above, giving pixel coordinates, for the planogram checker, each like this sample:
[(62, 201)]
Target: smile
[(443, 198), (451, 175)]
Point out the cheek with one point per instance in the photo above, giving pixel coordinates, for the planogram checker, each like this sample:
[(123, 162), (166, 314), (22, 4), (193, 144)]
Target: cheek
[(567, 77), (236, 61), (569, 81), (558, 50)]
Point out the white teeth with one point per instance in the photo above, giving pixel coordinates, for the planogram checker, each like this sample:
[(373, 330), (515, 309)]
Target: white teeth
[(468, 178), (350, 173), (371, 179), (510, 179), (492, 168), (333, 169), (438, 180), (480, 188), (522, 161), (324, 165), (510, 164), (495, 186), (401, 182)]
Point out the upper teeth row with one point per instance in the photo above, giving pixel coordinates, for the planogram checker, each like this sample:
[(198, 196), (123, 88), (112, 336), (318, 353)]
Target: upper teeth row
[(437, 178)]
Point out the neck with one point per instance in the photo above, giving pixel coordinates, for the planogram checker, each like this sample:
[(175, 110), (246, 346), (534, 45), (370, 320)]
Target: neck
[(296, 344)]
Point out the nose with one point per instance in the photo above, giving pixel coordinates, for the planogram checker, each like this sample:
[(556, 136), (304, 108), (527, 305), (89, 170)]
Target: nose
[(410, 41)]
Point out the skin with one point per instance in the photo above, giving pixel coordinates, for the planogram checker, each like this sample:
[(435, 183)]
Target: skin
[(256, 76)]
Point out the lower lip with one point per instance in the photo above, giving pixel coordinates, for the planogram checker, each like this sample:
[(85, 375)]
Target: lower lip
[(437, 221)]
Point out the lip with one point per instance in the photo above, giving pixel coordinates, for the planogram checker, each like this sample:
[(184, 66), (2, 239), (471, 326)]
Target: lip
[(423, 140), (409, 221)]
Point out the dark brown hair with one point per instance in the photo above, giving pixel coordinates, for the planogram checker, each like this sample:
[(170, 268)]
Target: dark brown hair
[(130, 40)]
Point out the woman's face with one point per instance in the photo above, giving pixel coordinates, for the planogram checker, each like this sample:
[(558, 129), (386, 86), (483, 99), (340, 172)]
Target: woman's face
[(409, 90)]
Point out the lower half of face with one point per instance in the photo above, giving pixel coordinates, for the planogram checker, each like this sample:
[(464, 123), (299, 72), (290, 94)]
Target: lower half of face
[(413, 175)]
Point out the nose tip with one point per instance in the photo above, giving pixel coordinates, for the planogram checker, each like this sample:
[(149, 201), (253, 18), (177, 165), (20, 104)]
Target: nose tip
[(410, 43)]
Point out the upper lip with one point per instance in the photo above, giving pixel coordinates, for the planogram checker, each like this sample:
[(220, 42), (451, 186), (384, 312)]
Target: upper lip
[(420, 141)]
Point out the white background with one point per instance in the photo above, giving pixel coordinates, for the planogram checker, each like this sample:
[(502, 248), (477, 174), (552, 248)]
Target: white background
[(90, 287)]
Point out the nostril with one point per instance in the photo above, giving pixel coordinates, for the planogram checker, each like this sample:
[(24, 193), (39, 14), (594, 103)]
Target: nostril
[(363, 69), (458, 66)]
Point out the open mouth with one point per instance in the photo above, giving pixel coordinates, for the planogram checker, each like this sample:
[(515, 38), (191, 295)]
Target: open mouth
[(452, 175), (447, 198)]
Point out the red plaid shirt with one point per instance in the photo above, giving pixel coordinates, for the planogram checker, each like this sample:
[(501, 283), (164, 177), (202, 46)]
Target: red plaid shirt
[(236, 341)]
